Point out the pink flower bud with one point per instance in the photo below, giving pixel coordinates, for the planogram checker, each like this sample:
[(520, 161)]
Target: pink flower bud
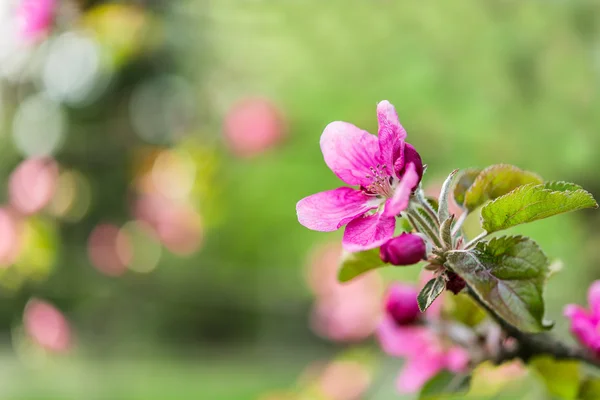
[(406, 249), (401, 304), (412, 156)]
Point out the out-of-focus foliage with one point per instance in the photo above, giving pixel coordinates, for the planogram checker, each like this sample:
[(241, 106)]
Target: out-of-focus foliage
[(141, 106)]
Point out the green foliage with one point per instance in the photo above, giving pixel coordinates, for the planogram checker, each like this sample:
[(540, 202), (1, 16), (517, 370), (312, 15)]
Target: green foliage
[(496, 181), (355, 264), (590, 389), (532, 202), (464, 182), (443, 385), (430, 292), (464, 309), (507, 274), (443, 212), (560, 377)]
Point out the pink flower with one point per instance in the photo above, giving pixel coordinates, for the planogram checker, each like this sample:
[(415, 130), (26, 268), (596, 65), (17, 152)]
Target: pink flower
[(35, 17), (386, 170), (425, 352), (406, 249), (585, 324), (401, 304), (342, 312)]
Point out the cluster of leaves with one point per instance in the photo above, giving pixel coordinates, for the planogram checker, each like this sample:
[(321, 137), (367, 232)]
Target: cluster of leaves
[(505, 274)]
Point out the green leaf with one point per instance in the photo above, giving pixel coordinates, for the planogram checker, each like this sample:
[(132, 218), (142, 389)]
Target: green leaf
[(532, 202), (560, 377), (443, 212), (443, 384), (496, 181), (446, 232), (507, 274), (464, 182), (430, 292), (590, 389), (355, 264)]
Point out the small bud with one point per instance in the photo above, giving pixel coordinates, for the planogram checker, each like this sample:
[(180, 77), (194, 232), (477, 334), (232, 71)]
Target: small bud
[(412, 156), (455, 283), (401, 304), (406, 249)]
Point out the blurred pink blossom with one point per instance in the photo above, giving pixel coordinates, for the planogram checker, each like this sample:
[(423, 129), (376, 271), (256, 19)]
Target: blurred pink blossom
[(177, 225), (47, 326), (32, 184), (108, 251), (585, 324), (252, 126), (342, 312), (344, 380), (10, 236), (35, 18), (425, 352)]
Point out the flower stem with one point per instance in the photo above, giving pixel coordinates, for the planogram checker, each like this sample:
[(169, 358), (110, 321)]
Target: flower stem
[(427, 206), (419, 223), (459, 223)]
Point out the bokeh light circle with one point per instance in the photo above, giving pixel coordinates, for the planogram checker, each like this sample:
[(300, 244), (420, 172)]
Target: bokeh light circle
[(32, 184), (108, 250), (173, 174), (47, 326), (10, 237), (72, 68), (252, 126), (137, 242), (39, 126), (72, 198), (162, 109)]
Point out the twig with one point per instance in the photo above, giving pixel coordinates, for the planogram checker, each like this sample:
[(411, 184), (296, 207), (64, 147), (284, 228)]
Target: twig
[(530, 345)]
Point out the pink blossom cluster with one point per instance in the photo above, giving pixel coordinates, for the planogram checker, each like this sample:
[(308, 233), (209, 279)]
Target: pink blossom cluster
[(405, 332)]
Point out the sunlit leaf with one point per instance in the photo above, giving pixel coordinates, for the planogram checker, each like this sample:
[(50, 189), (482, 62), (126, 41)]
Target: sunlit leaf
[(590, 389), (430, 292), (355, 264), (464, 182), (444, 384), (496, 181), (560, 377), (533, 202), (507, 274)]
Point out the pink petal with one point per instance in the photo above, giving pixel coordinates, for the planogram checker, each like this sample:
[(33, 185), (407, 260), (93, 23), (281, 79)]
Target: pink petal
[(399, 202), (402, 341), (417, 371), (586, 331), (457, 359), (594, 298), (574, 311), (350, 152), (368, 232), (329, 210), (391, 134)]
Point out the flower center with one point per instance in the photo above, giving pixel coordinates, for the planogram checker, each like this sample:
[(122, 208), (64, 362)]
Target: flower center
[(381, 182)]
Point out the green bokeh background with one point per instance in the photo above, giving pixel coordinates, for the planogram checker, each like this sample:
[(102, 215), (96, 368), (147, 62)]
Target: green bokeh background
[(474, 82)]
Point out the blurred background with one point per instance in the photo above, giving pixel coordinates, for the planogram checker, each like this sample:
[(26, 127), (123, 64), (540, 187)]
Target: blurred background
[(152, 153)]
